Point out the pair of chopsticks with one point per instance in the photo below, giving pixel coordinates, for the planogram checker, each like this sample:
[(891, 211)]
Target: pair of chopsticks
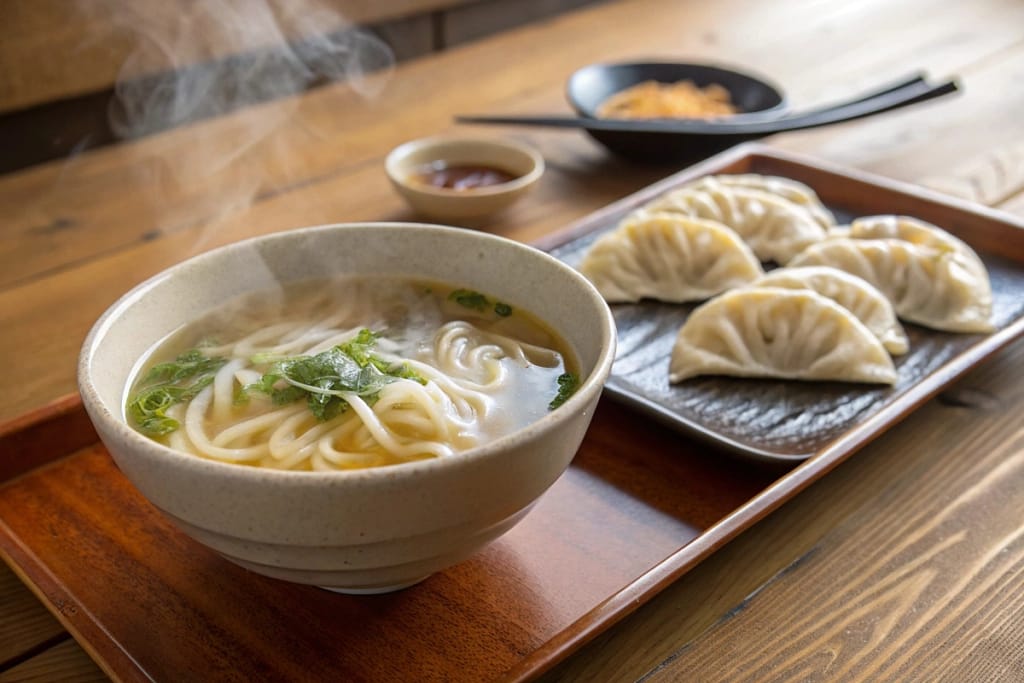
[(912, 90)]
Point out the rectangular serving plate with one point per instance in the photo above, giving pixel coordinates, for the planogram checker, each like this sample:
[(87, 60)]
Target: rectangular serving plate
[(636, 510), (789, 421)]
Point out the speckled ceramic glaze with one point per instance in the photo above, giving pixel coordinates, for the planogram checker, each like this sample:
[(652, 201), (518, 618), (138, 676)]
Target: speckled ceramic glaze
[(366, 530)]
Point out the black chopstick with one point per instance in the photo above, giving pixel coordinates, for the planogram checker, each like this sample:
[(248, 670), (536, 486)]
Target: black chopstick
[(893, 97), (914, 81)]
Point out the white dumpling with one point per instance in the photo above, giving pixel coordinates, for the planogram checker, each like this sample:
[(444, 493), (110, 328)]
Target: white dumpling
[(937, 288), (917, 231), (775, 228), (793, 190), (780, 333), (852, 293), (839, 231), (668, 257)]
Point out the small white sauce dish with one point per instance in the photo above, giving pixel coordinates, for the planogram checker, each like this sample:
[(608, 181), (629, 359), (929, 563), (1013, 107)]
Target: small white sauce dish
[(406, 165)]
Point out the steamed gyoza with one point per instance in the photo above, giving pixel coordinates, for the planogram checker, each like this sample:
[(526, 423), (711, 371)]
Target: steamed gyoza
[(350, 373), (668, 257), (849, 291), (775, 228), (791, 190), (778, 333), (916, 231), (934, 287), (907, 229)]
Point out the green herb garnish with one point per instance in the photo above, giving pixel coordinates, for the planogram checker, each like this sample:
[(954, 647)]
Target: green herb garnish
[(188, 364), (479, 302), (469, 299), (167, 384), (360, 350), (568, 383), (322, 379)]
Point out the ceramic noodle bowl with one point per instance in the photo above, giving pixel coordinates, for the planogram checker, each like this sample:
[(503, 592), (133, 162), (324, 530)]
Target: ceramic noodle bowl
[(363, 530)]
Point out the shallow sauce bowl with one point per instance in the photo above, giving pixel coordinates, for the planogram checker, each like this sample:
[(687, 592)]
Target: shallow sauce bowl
[(360, 531), (590, 86), (406, 162)]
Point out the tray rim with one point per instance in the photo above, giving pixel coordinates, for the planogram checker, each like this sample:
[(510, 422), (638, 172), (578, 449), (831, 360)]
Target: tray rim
[(580, 227), (914, 396), (119, 664)]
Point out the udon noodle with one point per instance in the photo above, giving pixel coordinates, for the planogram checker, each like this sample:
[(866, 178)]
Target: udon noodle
[(349, 373)]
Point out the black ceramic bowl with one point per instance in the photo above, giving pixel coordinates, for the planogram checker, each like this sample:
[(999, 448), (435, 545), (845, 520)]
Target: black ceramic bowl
[(592, 85)]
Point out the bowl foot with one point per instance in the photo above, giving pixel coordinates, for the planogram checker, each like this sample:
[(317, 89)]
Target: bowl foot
[(374, 590)]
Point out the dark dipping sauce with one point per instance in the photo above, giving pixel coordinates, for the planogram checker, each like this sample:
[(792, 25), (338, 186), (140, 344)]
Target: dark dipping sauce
[(461, 176)]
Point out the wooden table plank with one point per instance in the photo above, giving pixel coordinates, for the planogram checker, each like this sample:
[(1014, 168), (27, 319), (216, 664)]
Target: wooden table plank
[(25, 624), (112, 198), (65, 662), (910, 571), (578, 170), (54, 49), (990, 178), (869, 521), (939, 141)]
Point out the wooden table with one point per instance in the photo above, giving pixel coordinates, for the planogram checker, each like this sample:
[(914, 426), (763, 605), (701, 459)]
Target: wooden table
[(905, 563)]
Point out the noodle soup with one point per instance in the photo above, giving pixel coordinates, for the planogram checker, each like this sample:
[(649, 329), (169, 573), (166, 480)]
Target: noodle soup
[(349, 373)]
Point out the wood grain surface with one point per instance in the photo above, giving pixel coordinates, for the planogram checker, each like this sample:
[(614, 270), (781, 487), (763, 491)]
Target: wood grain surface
[(76, 234), (64, 662), (56, 49), (941, 598), (29, 628), (870, 574), (108, 561)]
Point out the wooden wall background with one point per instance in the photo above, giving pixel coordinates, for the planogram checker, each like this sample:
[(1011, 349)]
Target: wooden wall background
[(60, 59)]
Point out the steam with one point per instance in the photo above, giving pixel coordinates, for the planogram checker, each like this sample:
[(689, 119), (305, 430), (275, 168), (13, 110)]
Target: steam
[(216, 56), (197, 60)]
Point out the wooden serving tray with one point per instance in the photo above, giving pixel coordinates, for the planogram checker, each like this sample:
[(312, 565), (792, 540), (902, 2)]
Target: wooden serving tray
[(784, 421), (147, 602), (637, 509)]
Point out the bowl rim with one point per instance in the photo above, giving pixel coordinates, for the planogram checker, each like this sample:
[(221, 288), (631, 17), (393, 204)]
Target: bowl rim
[(589, 389), (656, 62), (394, 159)]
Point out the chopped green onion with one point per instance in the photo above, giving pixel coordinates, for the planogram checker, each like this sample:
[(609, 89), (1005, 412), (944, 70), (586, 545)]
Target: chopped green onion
[(568, 383)]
